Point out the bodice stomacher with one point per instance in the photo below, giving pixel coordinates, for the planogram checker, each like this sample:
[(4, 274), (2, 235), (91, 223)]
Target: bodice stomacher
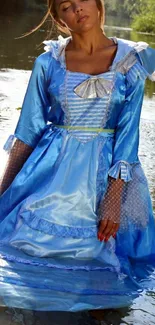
[(85, 102)]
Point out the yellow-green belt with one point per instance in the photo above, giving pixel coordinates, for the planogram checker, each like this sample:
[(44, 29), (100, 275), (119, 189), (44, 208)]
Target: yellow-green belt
[(82, 128)]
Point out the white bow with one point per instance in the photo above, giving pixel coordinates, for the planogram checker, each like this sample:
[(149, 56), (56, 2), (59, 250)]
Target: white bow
[(94, 87)]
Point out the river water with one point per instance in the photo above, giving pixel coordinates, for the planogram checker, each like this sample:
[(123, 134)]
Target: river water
[(16, 60)]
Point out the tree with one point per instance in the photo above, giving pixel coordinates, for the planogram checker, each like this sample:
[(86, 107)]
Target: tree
[(142, 12), (134, 6), (115, 7), (145, 21)]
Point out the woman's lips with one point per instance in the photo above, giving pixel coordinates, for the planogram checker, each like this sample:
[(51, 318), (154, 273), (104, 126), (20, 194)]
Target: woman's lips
[(83, 18)]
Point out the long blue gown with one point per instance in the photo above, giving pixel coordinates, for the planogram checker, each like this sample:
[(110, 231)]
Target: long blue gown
[(83, 128)]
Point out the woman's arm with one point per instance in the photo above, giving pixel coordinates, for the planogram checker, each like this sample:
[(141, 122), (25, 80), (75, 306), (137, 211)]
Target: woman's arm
[(110, 209), (17, 157), (125, 154), (32, 120)]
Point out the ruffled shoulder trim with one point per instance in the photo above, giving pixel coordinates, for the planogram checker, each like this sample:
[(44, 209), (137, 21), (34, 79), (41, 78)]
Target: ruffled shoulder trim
[(147, 60), (136, 59), (126, 47), (57, 48)]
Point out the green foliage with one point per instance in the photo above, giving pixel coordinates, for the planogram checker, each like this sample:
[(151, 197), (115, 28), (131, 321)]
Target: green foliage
[(142, 12), (145, 21), (114, 7), (134, 6), (125, 7)]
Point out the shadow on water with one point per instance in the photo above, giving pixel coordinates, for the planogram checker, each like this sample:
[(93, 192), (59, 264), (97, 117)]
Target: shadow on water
[(20, 54)]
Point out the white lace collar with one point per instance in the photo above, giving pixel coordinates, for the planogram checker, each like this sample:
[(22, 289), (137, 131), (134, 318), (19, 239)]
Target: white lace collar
[(57, 48), (125, 52)]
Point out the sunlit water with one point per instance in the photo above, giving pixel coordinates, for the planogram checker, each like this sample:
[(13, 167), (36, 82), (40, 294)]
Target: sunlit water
[(19, 54)]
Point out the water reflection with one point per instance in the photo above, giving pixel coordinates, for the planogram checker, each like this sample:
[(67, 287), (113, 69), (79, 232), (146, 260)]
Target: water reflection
[(19, 53)]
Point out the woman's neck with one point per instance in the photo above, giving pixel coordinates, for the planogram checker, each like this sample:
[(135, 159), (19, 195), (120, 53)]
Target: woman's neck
[(89, 42)]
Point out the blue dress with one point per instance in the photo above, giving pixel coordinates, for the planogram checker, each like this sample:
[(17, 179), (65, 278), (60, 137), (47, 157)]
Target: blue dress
[(83, 128)]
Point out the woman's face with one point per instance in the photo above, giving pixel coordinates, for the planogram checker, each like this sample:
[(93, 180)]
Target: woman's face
[(78, 15)]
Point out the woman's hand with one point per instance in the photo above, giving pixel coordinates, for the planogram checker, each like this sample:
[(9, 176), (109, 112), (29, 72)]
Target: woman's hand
[(110, 209)]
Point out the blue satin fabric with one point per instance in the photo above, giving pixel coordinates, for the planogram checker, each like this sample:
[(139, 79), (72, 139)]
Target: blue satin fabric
[(50, 257), (148, 60)]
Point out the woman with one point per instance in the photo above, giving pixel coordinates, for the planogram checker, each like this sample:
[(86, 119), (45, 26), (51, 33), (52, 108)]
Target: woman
[(77, 227)]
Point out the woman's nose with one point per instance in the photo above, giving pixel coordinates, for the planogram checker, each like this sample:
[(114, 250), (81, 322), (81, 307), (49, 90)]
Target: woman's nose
[(78, 8)]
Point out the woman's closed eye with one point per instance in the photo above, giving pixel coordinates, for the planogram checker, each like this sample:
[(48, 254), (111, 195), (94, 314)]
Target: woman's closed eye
[(65, 6)]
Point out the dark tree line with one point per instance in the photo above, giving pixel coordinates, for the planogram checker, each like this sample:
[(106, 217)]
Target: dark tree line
[(18, 5), (128, 8)]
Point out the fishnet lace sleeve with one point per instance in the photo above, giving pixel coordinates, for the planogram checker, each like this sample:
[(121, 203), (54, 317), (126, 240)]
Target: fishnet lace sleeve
[(16, 159), (110, 206), (126, 204)]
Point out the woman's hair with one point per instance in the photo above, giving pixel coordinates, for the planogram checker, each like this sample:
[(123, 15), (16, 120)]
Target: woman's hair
[(52, 14)]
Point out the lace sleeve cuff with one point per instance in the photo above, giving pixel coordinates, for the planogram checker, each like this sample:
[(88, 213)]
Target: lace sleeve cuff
[(121, 169), (9, 143)]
